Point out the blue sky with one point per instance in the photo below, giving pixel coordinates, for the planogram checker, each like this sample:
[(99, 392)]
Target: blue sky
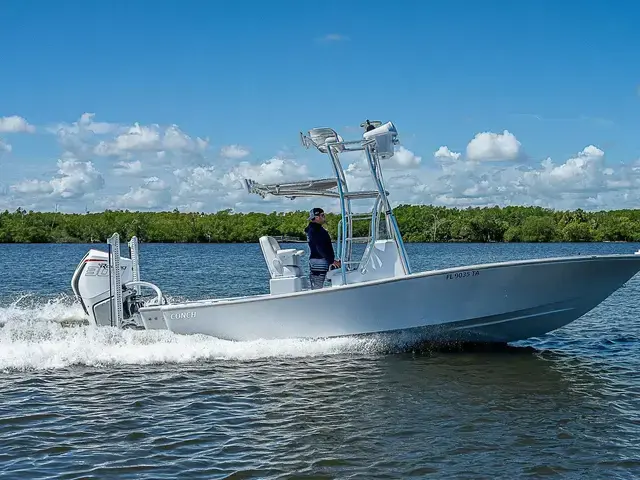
[(559, 79)]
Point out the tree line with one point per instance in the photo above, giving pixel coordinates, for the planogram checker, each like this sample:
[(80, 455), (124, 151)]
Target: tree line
[(418, 223)]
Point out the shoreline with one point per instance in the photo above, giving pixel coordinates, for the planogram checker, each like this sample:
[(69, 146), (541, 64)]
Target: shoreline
[(417, 223)]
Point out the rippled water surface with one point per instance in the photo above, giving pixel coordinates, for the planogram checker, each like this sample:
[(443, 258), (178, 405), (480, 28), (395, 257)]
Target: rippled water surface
[(81, 402)]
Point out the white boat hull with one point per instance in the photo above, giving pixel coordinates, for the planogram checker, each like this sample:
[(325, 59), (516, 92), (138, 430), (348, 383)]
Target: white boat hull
[(501, 302)]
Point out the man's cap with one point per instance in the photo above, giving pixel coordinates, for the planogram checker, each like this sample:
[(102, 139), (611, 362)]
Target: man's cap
[(314, 212)]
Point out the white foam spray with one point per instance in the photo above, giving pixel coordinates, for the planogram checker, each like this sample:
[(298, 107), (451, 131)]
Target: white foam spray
[(49, 334)]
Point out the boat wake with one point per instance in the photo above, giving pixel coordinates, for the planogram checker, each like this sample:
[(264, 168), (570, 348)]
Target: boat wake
[(40, 334), (62, 309)]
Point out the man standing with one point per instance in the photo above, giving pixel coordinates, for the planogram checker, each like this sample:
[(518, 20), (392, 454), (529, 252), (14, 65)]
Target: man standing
[(321, 255)]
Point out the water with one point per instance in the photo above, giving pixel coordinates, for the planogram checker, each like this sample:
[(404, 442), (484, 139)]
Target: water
[(80, 402)]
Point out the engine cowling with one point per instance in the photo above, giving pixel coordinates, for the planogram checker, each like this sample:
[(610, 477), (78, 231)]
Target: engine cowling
[(92, 286)]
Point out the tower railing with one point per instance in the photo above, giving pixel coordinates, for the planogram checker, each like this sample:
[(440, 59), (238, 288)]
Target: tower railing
[(377, 144)]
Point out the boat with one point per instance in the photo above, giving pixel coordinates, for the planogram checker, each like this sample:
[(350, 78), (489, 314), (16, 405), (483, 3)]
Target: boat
[(373, 293)]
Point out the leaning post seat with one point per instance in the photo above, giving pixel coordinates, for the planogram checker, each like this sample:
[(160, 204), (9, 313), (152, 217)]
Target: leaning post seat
[(284, 266)]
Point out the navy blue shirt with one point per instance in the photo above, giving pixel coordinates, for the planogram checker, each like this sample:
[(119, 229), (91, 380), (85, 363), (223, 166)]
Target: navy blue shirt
[(321, 253)]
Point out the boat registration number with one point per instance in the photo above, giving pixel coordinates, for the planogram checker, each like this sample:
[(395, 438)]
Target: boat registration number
[(465, 274)]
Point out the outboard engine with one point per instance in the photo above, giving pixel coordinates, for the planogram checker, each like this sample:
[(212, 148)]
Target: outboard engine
[(93, 286)]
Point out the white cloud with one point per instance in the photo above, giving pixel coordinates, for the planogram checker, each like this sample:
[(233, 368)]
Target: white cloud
[(180, 171), (404, 158), (75, 180), (135, 150), (272, 171), (153, 194), (582, 181), (140, 139), (444, 154), (5, 147), (355, 163), (78, 138), (583, 173), (234, 152), (489, 146), (215, 187), (86, 124), (203, 185), (128, 168), (201, 181), (32, 187), (15, 124)]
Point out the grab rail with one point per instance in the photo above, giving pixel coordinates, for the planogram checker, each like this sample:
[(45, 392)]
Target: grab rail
[(147, 284)]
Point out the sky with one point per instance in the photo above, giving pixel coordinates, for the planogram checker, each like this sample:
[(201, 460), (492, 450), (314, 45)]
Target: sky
[(128, 105)]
